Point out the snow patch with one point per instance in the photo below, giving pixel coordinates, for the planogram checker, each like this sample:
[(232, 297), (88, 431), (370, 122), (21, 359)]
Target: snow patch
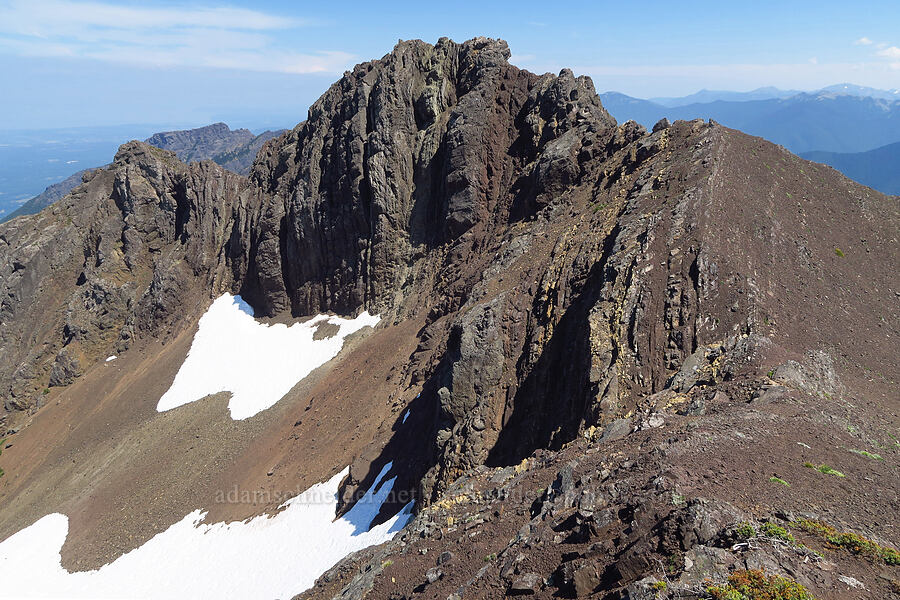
[(111, 358), (257, 363), (265, 557)]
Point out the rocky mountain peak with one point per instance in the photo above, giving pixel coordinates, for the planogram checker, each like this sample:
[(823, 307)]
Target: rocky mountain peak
[(407, 153), (549, 284)]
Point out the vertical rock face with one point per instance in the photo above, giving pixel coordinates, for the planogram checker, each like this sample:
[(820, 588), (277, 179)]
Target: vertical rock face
[(128, 253), (419, 150)]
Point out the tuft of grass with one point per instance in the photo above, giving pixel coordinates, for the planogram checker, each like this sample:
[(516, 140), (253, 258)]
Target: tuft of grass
[(871, 455), (754, 584), (829, 471), (660, 586), (823, 469), (851, 542), (490, 557), (839, 252), (779, 480), (777, 532)]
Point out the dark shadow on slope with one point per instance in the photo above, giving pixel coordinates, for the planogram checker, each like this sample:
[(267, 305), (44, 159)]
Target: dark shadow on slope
[(554, 400), (410, 452)]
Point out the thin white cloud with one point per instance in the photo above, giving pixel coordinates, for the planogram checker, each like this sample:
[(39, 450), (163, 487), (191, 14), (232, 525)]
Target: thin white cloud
[(863, 41), (62, 16), (892, 52), (212, 37)]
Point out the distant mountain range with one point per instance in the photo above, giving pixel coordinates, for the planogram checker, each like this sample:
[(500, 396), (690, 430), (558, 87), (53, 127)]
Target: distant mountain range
[(853, 128), (824, 120), (876, 168), (763, 93), (769, 92), (233, 149)]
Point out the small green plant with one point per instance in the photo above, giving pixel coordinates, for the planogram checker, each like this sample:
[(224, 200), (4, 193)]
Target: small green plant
[(779, 480), (386, 564), (824, 469), (829, 471), (771, 374), (490, 557), (754, 584), (660, 586), (46, 391), (777, 532), (673, 564), (839, 252), (871, 455), (851, 542), (745, 530)]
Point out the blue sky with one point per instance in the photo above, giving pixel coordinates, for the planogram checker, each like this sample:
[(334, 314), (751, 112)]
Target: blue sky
[(258, 64)]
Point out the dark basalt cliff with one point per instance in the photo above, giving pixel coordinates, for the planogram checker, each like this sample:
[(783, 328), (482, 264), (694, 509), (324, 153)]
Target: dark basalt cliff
[(123, 255), (572, 276)]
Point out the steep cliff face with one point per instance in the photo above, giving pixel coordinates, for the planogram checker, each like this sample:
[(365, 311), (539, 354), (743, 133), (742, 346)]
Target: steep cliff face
[(565, 277), (128, 253), (404, 166)]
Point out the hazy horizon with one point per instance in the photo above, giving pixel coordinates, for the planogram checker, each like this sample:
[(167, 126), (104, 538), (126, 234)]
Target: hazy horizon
[(262, 64)]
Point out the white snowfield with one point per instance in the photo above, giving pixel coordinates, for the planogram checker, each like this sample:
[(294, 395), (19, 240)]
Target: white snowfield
[(265, 557), (257, 363)]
